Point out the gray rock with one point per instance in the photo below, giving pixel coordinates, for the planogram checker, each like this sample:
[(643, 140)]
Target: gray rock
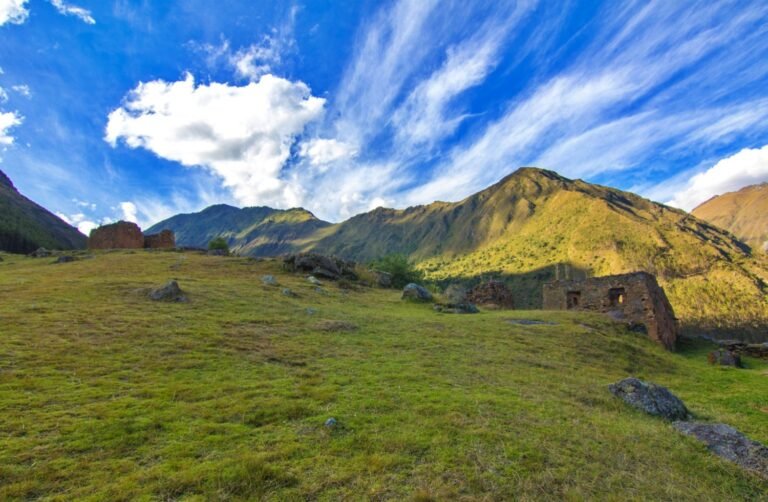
[(40, 253), (456, 308), (650, 398), (170, 292), (730, 444), (269, 280), (65, 259), (417, 293), (331, 422), (724, 358), (314, 280), (383, 279), (321, 291), (327, 267), (310, 311), (289, 293)]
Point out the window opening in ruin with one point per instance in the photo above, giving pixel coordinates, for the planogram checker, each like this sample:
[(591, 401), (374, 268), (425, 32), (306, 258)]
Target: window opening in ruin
[(572, 299), (616, 297)]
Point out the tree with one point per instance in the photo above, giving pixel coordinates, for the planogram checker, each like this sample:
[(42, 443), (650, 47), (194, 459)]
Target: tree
[(219, 243), (401, 270)]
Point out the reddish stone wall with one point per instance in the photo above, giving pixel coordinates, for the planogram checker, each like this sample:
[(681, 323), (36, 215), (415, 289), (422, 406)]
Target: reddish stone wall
[(491, 293), (163, 240), (636, 298), (120, 235)]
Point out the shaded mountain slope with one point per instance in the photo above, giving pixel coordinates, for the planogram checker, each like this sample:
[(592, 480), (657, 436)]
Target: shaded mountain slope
[(256, 231), (26, 226), (743, 213)]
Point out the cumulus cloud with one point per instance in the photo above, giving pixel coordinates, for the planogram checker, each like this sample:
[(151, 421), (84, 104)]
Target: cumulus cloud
[(81, 222), (321, 152), (73, 10), (13, 11), (129, 211), (244, 134), (8, 120), (747, 167)]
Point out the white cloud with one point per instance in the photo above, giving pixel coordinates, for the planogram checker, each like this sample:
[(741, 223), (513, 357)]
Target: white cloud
[(243, 134), (81, 221), (747, 167), (3, 95), (129, 211), (23, 90), (320, 152), (73, 10), (13, 11), (8, 120)]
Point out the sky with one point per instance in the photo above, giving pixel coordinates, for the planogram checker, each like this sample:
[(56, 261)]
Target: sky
[(139, 109)]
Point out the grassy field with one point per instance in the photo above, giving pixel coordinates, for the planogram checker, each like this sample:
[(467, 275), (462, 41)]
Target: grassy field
[(108, 396)]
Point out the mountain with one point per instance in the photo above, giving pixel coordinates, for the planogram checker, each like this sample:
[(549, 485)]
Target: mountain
[(256, 231), (26, 226), (743, 213), (535, 225)]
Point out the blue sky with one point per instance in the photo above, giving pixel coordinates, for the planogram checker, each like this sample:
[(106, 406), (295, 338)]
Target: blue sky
[(140, 110)]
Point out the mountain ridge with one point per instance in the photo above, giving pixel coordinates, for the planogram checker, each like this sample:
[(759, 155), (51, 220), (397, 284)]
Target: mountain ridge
[(743, 212)]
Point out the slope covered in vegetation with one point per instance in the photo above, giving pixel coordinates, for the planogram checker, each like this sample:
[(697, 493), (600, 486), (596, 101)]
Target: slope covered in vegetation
[(744, 212), (109, 396)]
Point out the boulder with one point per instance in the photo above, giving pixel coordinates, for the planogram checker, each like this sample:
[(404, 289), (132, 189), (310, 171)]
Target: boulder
[(120, 235), (724, 358), (730, 444), (318, 265), (417, 293), (269, 280), (65, 259), (650, 398), (289, 293), (383, 279), (455, 293), (40, 253), (456, 308), (314, 280), (170, 292), (491, 294)]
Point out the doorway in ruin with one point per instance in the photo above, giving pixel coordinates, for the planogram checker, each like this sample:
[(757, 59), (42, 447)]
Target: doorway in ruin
[(573, 299), (617, 297)]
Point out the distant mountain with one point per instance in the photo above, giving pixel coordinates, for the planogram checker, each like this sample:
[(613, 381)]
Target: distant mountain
[(743, 213), (256, 231), (533, 226), (26, 226)]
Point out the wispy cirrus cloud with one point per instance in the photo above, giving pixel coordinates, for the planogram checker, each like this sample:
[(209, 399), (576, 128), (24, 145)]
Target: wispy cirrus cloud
[(73, 10)]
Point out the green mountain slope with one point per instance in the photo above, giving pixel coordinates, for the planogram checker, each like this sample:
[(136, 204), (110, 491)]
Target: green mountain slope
[(257, 231), (26, 226), (744, 213), (535, 225)]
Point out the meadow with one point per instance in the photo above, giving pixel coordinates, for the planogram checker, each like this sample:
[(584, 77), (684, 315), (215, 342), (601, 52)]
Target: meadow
[(106, 395)]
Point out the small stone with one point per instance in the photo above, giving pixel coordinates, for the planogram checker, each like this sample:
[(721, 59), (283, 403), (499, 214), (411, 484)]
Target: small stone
[(417, 293), (650, 398), (170, 292), (65, 259), (331, 422), (310, 311), (289, 293), (383, 279), (321, 291), (40, 253), (314, 280), (456, 308), (269, 280), (730, 444)]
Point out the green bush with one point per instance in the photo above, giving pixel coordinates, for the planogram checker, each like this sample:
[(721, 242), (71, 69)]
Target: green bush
[(219, 243), (401, 270)]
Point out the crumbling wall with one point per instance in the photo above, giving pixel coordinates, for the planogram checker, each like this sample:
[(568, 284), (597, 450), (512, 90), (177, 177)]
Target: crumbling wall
[(493, 294), (635, 298), (163, 240), (120, 235)]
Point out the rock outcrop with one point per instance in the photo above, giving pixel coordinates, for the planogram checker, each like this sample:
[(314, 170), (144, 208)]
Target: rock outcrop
[(417, 293), (170, 292), (650, 398), (326, 267), (724, 358), (491, 294), (730, 444)]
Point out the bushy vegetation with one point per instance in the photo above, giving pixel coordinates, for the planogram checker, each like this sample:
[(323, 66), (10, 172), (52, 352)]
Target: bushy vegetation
[(402, 270), (218, 244), (108, 396)]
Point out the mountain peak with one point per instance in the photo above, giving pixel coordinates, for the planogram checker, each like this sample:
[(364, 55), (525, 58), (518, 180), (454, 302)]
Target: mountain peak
[(6, 181)]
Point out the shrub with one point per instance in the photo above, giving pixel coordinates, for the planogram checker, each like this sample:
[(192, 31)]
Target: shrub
[(218, 243), (401, 270)]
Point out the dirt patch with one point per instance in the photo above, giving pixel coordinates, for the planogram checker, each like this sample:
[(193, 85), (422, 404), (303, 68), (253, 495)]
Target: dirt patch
[(335, 326)]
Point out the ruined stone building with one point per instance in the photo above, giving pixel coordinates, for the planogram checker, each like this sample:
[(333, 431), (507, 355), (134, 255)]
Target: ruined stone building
[(634, 298), (126, 235)]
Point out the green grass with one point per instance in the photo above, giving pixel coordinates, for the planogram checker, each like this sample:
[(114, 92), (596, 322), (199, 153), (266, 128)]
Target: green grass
[(108, 396)]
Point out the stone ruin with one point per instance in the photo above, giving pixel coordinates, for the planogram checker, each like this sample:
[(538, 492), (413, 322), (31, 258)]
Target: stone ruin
[(635, 298), (491, 294), (127, 235)]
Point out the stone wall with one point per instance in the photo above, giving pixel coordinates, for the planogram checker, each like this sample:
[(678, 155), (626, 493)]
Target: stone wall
[(494, 294), (163, 240), (120, 235), (634, 298)]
